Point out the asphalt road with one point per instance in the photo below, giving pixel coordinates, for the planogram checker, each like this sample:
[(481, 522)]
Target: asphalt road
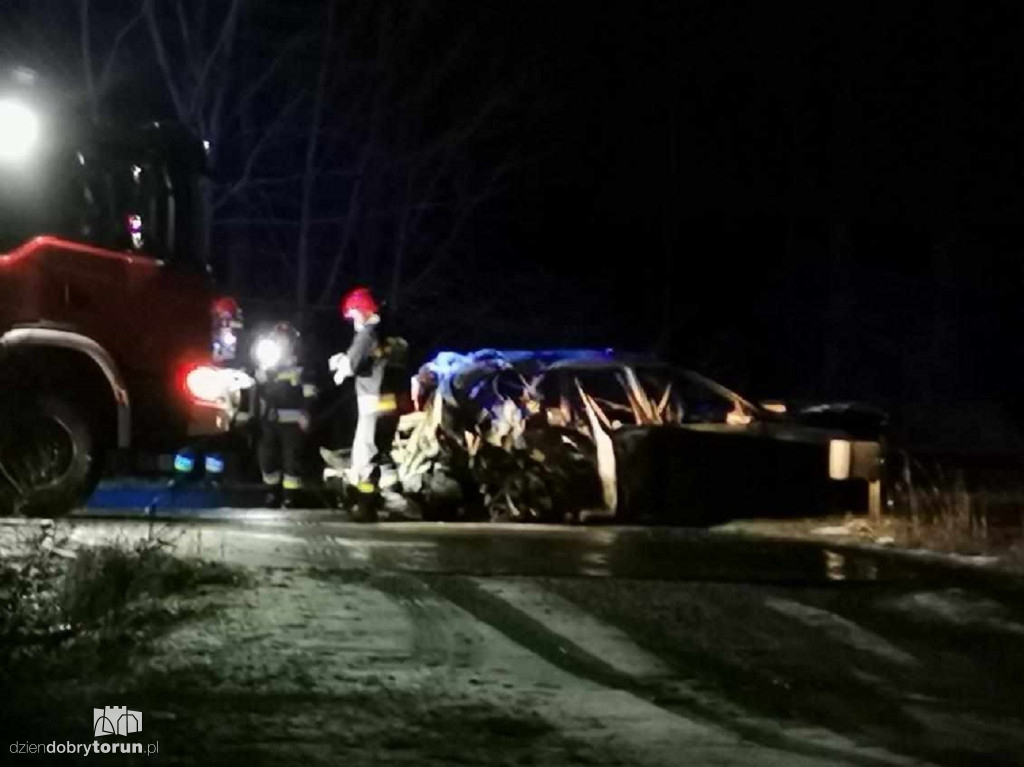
[(684, 646), (269, 537)]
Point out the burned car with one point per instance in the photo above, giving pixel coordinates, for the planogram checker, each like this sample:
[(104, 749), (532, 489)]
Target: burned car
[(576, 434)]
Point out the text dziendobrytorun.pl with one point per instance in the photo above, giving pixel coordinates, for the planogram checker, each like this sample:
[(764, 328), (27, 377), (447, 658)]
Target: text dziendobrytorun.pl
[(85, 749)]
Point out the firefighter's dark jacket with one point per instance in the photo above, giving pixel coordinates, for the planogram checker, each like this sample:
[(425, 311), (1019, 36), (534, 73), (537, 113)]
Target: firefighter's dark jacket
[(364, 350), (371, 345), (285, 393)]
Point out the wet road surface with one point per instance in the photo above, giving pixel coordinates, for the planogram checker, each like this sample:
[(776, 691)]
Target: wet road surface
[(326, 538), (675, 646)]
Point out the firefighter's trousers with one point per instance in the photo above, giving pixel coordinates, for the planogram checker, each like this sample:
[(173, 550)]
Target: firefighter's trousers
[(280, 454), (368, 402)]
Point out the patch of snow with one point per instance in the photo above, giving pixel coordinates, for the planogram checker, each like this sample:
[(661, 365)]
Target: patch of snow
[(831, 530), (850, 527), (958, 607), (842, 630), (562, 617)]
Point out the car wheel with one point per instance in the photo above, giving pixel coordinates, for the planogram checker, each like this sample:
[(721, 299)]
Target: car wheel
[(49, 458)]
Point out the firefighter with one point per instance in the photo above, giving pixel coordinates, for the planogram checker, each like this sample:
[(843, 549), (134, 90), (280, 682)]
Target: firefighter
[(229, 342), (283, 399), (227, 327), (372, 359)]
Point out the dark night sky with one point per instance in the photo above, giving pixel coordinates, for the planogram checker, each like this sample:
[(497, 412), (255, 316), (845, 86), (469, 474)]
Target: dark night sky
[(834, 193)]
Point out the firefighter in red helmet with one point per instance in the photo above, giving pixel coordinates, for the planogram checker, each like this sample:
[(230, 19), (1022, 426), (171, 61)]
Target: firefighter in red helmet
[(227, 327), (372, 359)]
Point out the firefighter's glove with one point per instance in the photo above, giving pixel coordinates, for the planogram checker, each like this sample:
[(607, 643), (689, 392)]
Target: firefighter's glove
[(341, 366)]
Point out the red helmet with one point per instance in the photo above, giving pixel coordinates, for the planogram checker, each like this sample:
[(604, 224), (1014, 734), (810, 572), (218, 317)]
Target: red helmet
[(225, 306), (358, 299)]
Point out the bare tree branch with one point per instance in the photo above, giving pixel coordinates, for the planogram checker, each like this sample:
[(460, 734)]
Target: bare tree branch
[(257, 84), (461, 221), (160, 48), (84, 26), (225, 42), (349, 230), (185, 30), (254, 154), (108, 66), (96, 86), (302, 255)]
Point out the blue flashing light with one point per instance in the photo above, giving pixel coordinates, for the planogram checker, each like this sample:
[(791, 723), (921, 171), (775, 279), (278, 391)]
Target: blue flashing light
[(214, 464), (184, 463)]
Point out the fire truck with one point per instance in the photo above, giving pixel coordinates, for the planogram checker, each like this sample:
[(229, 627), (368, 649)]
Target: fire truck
[(105, 303)]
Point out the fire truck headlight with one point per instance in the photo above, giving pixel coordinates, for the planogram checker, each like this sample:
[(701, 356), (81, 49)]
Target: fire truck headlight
[(206, 384), (268, 353), (215, 386), (19, 131)]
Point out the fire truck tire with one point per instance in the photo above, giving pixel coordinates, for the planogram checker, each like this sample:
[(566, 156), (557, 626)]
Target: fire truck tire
[(53, 465)]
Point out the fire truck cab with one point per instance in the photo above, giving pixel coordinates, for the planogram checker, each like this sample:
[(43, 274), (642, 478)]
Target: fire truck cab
[(105, 303)]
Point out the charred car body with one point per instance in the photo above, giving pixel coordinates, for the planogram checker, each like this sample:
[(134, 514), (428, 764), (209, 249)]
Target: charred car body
[(560, 435)]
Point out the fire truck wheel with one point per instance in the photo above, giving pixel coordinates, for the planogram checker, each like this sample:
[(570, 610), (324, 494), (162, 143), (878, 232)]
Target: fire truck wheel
[(52, 465)]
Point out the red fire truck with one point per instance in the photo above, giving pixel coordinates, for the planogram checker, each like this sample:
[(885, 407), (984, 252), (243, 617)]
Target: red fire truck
[(105, 303)]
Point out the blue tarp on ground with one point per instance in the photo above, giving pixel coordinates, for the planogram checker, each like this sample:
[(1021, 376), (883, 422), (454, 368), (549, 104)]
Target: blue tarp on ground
[(129, 493)]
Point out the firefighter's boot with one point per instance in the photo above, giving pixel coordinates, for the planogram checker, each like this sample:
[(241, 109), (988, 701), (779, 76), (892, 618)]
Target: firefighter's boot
[(272, 500), (366, 498), (292, 485)]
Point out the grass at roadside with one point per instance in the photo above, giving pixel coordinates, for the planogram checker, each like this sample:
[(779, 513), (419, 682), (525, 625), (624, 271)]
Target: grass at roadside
[(66, 610), (942, 506), (287, 669), (936, 504)]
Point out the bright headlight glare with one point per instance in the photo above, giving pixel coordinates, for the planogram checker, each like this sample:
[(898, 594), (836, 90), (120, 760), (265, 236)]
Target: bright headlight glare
[(206, 384), (268, 352), (19, 131)]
